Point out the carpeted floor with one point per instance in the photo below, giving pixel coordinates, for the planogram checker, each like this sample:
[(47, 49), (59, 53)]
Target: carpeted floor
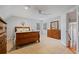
[(46, 46)]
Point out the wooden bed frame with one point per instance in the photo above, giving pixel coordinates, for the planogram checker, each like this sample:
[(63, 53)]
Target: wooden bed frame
[(23, 38)]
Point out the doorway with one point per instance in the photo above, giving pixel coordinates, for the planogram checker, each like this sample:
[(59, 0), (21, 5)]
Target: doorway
[(72, 37)]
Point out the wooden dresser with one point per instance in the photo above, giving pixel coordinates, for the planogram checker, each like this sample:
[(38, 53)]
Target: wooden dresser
[(3, 37), (54, 33), (23, 38)]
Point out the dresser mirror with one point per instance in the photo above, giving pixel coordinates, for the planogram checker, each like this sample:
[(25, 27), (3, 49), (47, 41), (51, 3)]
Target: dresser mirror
[(54, 25), (2, 26)]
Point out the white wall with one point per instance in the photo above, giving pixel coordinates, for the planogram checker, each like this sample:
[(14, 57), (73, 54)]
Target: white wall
[(14, 21), (63, 29), (3, 14)]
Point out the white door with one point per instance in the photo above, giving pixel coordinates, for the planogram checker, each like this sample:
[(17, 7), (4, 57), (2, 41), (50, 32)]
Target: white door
[(73, 34)]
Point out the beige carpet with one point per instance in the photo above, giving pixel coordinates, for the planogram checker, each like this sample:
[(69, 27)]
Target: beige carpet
[(46, 46)]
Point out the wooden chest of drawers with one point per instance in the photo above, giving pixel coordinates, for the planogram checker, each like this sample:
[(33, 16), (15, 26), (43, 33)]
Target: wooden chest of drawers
[(3, 43), (27, 37), (3, 38), (54, 33)]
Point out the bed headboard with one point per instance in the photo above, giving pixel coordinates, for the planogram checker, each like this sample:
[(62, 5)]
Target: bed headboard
[(22, 29)]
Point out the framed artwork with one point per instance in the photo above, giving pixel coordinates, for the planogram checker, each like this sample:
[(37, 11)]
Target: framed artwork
[(54, 25), (71, 16)]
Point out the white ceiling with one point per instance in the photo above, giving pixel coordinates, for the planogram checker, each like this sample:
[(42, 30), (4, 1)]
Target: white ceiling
[(32, 12), (52, 10)]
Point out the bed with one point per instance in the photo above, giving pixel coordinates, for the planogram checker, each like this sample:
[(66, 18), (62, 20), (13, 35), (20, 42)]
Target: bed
[(24, 36)]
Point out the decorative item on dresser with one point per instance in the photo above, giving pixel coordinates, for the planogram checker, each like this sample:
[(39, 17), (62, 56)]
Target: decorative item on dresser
[(54, 31), (3, 37), (26, 37)]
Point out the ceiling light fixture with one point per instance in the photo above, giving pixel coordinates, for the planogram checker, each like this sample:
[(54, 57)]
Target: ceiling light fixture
[(26, 7)]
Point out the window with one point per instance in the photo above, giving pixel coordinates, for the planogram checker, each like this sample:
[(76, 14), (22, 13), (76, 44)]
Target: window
[(38, 26), (45, 26)]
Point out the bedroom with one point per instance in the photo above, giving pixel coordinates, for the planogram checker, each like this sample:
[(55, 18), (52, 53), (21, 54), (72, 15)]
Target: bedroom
[(38, 20)]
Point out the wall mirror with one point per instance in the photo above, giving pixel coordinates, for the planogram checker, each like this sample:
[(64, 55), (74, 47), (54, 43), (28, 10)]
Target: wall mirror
[(54, 25), (2, 26), (71, 16)]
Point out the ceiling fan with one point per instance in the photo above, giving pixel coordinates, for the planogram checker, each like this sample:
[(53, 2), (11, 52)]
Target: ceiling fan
[(43, 12)]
